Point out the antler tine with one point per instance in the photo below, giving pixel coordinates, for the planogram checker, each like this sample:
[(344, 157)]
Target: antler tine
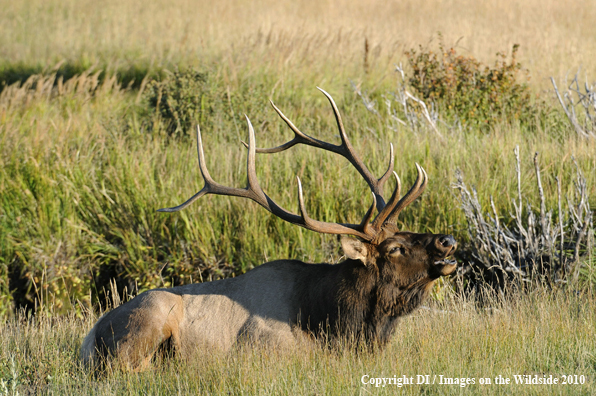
[(204, 172), (349, 153), (185, 204), (389, 170), (253, 182), (299, 137), (340, 124), (254, 191), (382, 216), (365, 225), (414, 192)]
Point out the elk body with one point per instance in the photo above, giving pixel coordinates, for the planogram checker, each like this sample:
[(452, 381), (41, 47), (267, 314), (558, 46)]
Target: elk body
[(387, 274)]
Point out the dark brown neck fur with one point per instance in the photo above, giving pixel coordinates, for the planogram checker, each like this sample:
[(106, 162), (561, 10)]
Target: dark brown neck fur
[(354, 302)]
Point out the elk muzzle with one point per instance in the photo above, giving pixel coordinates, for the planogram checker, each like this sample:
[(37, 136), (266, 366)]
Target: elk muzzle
[(445, 246)]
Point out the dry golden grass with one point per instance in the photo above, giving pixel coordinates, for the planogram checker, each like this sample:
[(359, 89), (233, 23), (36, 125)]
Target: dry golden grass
[(539, 334), (556, 37)]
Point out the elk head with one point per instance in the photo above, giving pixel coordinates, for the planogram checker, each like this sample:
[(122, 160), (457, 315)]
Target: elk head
[(405, 259), (379, 242)]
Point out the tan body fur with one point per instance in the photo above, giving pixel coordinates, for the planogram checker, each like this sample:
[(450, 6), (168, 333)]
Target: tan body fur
[(201, 316)]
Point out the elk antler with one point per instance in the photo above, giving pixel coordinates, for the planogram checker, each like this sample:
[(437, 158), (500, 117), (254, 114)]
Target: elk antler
[(254, 191), (388, 212)]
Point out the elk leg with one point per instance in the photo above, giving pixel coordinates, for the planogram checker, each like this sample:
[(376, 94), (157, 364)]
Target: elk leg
[(135, 330)]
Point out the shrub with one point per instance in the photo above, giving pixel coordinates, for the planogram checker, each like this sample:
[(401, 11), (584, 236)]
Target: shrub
[(465, 90), (188, 98), (551, 246), (179, 100)]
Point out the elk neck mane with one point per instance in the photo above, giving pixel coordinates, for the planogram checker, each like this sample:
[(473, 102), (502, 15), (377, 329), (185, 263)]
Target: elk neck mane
[(354, 301)]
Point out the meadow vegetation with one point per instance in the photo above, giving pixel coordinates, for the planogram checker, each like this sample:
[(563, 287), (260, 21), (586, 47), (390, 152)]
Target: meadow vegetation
[(544, 333), (97, 105)]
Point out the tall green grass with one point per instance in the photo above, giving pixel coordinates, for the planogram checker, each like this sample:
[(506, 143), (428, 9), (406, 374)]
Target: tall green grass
[(84, 168)]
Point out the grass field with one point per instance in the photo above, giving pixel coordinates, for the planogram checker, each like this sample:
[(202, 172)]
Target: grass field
[(539, 334), (304, 40), (84, 164)]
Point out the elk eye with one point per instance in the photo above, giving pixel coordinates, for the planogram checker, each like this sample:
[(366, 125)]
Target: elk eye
[(397, 249)]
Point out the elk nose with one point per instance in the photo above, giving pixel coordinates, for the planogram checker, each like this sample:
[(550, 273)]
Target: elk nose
[(446, 242)]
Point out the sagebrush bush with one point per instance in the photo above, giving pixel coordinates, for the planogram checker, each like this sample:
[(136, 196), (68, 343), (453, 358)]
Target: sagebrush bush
[(552, 245), (465, 90)]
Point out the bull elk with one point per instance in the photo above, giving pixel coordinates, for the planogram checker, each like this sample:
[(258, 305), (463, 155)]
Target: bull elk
[(387, 274)]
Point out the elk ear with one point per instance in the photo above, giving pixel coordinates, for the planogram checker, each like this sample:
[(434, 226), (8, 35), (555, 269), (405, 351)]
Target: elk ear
[(354, 249)]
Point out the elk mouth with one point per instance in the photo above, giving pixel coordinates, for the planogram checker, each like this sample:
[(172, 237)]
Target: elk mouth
[(445, 266), (445, 261)]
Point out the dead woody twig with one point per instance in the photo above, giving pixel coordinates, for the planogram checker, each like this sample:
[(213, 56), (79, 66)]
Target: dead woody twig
[(585, 123), (537, 246)]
